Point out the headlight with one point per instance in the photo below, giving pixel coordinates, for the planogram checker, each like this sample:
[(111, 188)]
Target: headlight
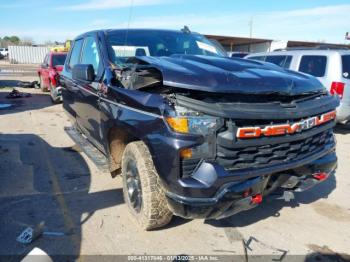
[(192, 122)]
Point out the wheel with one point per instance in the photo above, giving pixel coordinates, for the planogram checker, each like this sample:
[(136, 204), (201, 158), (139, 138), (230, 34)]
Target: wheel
[(41, 84), (142, 190), (54, 98)]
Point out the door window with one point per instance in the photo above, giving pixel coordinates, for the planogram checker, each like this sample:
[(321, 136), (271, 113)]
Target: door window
[(90, 54), (75, 53), (313, 65)]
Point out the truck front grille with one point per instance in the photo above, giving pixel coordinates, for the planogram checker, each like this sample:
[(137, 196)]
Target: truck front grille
[(257, 156)]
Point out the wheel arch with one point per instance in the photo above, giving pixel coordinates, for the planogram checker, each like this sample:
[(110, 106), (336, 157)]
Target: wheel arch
[(117, 139)]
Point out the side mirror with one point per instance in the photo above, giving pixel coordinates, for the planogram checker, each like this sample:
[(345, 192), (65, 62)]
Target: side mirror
[(44, 65), (83, 72)]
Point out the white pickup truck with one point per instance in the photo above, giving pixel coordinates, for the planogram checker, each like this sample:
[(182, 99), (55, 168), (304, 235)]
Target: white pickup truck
[(4, 52)]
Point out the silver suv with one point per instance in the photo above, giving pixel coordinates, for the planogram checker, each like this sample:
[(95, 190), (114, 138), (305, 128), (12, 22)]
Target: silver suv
[(331, 67)]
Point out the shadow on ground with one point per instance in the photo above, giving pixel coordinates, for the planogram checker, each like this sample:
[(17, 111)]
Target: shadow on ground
[(342, 129), (38, 183), (271, 207), (33, 102), (9, 83)]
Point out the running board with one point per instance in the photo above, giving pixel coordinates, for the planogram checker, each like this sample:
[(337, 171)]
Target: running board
[(89, 149)]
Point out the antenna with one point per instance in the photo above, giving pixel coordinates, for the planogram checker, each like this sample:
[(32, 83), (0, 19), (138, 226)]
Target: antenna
[(129, 20)]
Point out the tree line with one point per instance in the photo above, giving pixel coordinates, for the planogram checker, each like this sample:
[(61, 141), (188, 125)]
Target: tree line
[(14, 40)]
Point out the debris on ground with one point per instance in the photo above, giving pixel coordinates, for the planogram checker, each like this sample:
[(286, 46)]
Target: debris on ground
[(249, 246), (16, 94), (29, 234), (28, 84)]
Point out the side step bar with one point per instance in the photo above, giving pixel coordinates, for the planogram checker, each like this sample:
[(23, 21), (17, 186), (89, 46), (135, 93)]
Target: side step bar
[(92, 152)]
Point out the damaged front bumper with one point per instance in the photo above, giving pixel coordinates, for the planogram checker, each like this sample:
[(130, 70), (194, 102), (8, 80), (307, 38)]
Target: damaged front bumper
[(242, 195)]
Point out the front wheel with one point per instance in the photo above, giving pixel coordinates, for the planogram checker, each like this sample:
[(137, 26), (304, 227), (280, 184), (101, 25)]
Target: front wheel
[(143, 192), (54, 98)]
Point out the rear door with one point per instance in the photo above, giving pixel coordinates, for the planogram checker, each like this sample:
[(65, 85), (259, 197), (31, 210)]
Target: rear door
[(87, 97)]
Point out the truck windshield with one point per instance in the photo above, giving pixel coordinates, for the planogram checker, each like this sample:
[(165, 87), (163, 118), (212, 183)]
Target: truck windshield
[(159, 43), (58, 60)]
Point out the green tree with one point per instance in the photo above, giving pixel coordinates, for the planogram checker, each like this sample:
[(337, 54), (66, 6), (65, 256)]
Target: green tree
[(15, 39)]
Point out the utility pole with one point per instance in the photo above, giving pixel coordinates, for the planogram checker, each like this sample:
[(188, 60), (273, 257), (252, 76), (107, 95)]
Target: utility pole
[(250, 27), (250, 31)]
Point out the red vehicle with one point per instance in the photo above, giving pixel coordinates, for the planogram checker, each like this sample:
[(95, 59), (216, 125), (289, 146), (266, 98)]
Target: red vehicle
[(49, 74)]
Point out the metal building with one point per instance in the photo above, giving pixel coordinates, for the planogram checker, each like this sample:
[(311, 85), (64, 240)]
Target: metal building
[(27, 54)]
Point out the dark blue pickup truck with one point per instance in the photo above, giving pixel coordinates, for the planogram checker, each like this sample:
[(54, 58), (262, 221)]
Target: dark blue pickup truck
[(193, 132)]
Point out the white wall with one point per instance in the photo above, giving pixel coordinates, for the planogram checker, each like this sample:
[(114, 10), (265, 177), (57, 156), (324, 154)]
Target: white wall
[(27, 54)]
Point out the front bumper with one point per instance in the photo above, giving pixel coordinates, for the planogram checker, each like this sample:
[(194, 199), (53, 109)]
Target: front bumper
[(238, 196)]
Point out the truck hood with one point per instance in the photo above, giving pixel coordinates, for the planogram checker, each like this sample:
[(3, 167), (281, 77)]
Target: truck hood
[(229, 75)]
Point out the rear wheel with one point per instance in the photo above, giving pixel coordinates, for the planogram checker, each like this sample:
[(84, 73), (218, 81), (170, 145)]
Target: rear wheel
[(142, 190), (41, 84)]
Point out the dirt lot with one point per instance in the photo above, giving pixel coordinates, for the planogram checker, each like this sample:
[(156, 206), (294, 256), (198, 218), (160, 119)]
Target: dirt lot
[(43, 179)]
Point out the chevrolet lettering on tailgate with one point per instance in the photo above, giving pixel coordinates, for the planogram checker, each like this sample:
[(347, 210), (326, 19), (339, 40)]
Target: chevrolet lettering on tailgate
[(277, 130)]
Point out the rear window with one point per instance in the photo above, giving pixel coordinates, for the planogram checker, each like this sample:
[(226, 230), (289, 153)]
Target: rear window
[(280, 60), (58, 60), (346, 66), (313, 65)]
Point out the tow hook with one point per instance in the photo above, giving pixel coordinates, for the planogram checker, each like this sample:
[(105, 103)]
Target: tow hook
[(320, 176), (257, 199)]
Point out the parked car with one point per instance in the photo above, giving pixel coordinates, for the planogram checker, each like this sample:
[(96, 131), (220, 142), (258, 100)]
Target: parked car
[(49, 72), (331, 67), (193, 132), (4, 52)]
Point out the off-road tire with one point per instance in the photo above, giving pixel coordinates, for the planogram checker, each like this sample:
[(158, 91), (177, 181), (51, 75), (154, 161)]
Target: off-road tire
[(154, 212)]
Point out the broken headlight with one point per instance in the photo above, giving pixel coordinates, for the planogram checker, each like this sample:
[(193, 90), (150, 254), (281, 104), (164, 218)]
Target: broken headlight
[(184, 120)]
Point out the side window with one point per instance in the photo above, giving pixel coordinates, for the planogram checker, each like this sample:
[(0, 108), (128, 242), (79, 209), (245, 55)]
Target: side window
[(90, 53), (313, 65), (258, 58), (280, 60), (75, 53)]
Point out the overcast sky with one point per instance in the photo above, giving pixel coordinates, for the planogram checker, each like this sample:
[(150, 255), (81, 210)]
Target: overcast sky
[(307, 20)]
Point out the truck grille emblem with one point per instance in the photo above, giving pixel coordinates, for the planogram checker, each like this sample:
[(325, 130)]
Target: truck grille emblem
[(278, 130)]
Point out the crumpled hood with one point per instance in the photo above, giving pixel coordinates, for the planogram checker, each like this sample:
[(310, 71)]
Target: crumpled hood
[(228, 75)]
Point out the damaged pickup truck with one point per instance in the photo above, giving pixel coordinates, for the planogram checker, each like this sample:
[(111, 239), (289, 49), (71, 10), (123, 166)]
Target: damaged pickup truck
[(192, 132)]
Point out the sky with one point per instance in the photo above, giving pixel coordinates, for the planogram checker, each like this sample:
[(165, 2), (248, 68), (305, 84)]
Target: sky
[(58, 20)]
